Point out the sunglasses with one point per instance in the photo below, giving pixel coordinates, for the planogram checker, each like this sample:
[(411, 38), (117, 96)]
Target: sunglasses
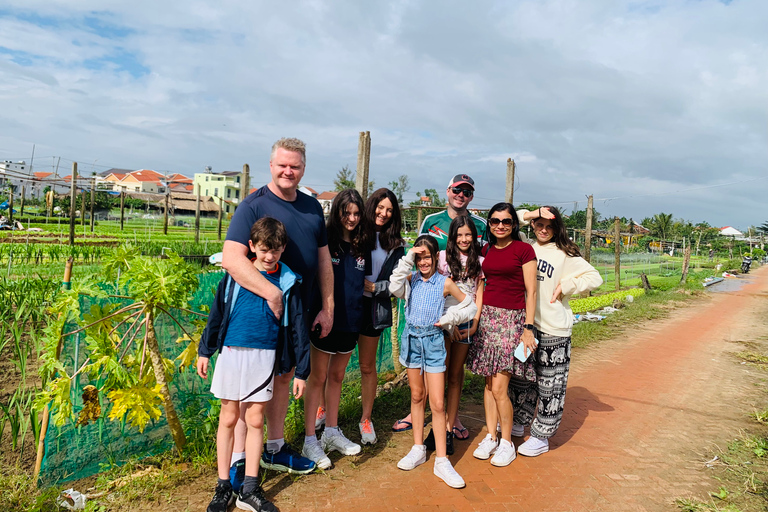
[(466, 191), (495, 221)]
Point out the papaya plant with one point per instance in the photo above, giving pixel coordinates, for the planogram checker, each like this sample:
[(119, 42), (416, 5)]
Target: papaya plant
[(121, 346)]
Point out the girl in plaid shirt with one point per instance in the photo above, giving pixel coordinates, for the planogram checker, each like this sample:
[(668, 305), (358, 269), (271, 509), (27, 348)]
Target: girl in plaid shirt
[(423, 349)]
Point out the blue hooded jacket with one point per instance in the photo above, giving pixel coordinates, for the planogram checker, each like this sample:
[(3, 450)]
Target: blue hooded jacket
[(293, 338)]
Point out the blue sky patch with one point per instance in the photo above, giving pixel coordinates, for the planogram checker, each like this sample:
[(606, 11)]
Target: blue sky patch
[(20, 58), (120, 60)]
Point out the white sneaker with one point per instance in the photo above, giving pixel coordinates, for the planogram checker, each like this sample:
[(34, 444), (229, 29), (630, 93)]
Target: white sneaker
[(534, 446), (367, 434), (518, 430), (445, 472), (339, 442), (315, 453), (320, 417), (505, 454), (485, 448), (416, 457)]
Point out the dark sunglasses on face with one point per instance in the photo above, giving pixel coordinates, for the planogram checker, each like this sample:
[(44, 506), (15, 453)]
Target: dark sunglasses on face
[(495, 221), (467, 192)]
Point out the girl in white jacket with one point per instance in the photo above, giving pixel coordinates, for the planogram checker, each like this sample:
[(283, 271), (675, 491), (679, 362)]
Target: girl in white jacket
[(561, 272)]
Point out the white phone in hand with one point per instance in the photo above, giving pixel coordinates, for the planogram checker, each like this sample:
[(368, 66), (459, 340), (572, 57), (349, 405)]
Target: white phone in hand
[(522, 353)]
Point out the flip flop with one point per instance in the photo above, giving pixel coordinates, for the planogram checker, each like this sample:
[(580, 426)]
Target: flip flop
[(397, 428), (460, 433)]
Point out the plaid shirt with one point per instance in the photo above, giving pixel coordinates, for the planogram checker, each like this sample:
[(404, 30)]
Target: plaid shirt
[(425, 305)]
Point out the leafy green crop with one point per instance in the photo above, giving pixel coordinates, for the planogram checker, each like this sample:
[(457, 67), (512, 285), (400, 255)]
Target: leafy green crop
[(600, 301)]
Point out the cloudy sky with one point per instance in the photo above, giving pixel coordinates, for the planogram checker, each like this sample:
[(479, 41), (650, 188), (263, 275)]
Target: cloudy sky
[(649, 106)]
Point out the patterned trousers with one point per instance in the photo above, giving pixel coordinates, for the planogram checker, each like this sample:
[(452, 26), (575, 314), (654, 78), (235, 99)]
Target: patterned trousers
[(545, 398)]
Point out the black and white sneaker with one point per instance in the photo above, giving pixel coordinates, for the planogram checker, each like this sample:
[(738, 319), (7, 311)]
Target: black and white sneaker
[(255, 502), (222, 498)]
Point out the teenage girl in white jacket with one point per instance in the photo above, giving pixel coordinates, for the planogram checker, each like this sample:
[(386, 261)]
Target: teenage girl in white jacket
[(561, 272)]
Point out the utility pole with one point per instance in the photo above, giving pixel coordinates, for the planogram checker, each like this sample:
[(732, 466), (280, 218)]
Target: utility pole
[(72, 199), (588, 230), (93, 199), (197, 215), (508, 196)]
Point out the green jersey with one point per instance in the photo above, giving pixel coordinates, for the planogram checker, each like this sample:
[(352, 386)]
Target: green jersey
[(438, 225)]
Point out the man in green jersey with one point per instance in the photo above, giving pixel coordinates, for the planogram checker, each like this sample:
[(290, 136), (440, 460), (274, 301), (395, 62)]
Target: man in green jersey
[(460, 191)]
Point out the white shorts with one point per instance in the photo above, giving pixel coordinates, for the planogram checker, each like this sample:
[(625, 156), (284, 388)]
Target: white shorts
[(244, 374)]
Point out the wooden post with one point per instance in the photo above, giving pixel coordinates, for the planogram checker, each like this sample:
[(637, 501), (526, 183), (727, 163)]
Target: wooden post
[(418, 219), (122, 208), (588, 231), (221, 210), (644, 280), (72, 200), (510, 192), (10, 205), (363, 163), (367, 165), (21, 205), (617, 251), (93, 200), (82, 208), (245, 186), (686, 262), (165, 214), (197, 215)]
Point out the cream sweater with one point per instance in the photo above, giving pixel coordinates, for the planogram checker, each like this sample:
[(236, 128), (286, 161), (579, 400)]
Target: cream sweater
[(574, 275)]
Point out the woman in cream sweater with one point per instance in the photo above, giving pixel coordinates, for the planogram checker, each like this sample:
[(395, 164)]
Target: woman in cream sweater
[(561, 272)]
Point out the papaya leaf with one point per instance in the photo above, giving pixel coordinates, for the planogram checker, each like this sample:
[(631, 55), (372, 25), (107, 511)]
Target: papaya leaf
[(138, 405)]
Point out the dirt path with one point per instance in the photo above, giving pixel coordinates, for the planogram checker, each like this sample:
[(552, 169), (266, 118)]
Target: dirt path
[(641, 417)]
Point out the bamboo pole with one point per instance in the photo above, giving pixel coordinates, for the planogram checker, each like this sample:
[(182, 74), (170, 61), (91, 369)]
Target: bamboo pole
[(93, 200), (122, 208), (21, 202), (588, 231), (72, 206), (165, 214), (617, 251), (10, 205), (66, 284), (221, 210), (197, 215)]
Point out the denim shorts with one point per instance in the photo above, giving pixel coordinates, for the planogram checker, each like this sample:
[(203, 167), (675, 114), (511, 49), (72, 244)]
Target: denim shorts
[(424, 348)]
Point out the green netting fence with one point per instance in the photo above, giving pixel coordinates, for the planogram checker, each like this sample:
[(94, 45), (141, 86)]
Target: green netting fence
[(74, 452)]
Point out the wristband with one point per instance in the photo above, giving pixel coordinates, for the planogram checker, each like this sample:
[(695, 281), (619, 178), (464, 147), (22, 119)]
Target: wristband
[(530, 327)]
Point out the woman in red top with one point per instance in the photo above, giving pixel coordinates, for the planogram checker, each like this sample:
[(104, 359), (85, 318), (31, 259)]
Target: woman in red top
[(509, 308)]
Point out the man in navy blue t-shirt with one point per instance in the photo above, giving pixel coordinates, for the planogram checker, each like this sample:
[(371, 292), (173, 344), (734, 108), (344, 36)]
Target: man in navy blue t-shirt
[(306, 254)]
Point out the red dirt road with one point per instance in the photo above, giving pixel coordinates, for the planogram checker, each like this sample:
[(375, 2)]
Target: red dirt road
[(642, 415)]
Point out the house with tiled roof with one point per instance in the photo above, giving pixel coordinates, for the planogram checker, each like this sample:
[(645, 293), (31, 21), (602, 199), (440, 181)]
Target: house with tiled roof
[(226, 185), (144, 180), (326, 199)]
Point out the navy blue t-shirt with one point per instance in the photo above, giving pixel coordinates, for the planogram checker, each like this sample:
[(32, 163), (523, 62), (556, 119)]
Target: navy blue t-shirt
[(251, 323), (303, 219), (348, 277)]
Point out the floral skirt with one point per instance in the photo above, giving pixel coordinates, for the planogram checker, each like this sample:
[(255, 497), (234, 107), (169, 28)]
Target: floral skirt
[(493, 348)]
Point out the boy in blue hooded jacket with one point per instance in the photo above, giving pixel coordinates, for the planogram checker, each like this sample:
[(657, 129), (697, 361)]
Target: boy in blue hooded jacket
[(254, 346)]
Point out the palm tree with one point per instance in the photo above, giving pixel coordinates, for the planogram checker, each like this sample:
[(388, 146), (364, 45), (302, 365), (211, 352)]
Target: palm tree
[(662, 225)]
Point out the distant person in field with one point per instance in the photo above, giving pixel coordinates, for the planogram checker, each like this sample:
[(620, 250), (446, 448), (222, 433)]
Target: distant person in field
[(561, 273), (307, 255), (248, 339)]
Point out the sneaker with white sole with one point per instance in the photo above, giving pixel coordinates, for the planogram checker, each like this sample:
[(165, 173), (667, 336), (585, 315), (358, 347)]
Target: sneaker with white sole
[(518, 430), (338, 441), (504, 455), (485, 448), (416, 457), (320, 417), (367, 433), (534, 446), (445, 472), (315, 453)]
